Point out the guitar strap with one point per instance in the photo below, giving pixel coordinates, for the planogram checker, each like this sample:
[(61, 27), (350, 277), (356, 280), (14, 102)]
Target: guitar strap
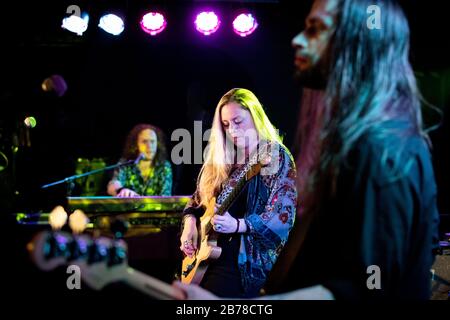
[(243, 171)]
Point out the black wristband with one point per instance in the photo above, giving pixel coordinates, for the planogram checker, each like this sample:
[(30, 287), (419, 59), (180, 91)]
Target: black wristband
[(246, 226), (237, 226)]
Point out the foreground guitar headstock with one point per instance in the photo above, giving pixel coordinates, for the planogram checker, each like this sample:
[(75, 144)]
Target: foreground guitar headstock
[(101, 260)]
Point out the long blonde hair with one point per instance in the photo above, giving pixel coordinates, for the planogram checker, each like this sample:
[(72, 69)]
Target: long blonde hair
[(215, 168)]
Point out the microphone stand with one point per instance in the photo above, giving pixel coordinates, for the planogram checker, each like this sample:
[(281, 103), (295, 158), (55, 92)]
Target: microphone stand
[(70, 179)]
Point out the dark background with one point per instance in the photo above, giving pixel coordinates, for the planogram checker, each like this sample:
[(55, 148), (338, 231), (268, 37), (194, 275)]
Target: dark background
[(169, 80)]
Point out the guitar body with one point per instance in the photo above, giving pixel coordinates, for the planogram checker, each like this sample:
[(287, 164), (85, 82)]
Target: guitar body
[(194, 268)]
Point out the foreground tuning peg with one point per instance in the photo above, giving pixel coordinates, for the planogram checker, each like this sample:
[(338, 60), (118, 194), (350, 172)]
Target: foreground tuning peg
[(57, 218), (48, 250), (119, 227), (78, 221)]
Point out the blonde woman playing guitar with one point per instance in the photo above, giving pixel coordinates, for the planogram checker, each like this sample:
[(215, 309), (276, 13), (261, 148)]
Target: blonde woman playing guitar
[(240, 216)]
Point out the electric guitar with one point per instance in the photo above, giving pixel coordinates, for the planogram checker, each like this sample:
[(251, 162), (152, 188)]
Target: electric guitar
[(101, 261), (194, 268)]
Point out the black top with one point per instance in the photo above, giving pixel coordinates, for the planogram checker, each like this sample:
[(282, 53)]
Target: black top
[(223, 276), (384, 214)]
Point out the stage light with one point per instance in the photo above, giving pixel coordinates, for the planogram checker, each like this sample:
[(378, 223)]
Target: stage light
[(207, 23), (244, 24), (112, 24), (55, 84), (153, 23), (76, 24), (4, 164), (30, 122)]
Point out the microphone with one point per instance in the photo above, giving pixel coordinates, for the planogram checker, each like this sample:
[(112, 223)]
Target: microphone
[(140, 157)]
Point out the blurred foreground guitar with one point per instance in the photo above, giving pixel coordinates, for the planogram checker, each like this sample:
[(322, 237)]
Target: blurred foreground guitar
[(193, 268), (101, 261)]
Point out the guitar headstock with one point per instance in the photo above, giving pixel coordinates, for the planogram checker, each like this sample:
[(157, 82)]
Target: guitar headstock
[(265, 156), (101, 260), (253, 171)]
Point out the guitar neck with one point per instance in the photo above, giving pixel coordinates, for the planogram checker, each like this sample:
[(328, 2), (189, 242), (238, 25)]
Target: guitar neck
[(149, 285), (226, 204)]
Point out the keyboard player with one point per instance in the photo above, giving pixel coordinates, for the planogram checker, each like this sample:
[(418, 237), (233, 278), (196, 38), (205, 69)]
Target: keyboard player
[(151, 174)]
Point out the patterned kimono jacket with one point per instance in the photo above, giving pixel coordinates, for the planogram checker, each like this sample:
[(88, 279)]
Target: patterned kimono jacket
[(271, 210)]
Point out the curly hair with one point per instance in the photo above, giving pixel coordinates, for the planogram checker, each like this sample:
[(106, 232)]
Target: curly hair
[(131, 151)]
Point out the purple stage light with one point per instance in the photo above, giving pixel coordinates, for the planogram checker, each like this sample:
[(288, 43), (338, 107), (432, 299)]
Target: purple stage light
[(207, 22), (153, 23), (244, 24)]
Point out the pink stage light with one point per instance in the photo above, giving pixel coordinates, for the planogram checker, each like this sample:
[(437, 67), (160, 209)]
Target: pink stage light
[(244, 24), (153, 23), (207, 22)]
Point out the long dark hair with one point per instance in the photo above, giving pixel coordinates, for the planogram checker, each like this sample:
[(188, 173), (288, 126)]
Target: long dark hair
[(370, 82), (131, 151)]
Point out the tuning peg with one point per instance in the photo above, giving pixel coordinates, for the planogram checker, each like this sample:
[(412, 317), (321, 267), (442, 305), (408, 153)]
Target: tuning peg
[(265, 159), (118, 253), (57, 218), (98, 250), (78, 221), (119, 227), (79, 247), (49, 250)]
